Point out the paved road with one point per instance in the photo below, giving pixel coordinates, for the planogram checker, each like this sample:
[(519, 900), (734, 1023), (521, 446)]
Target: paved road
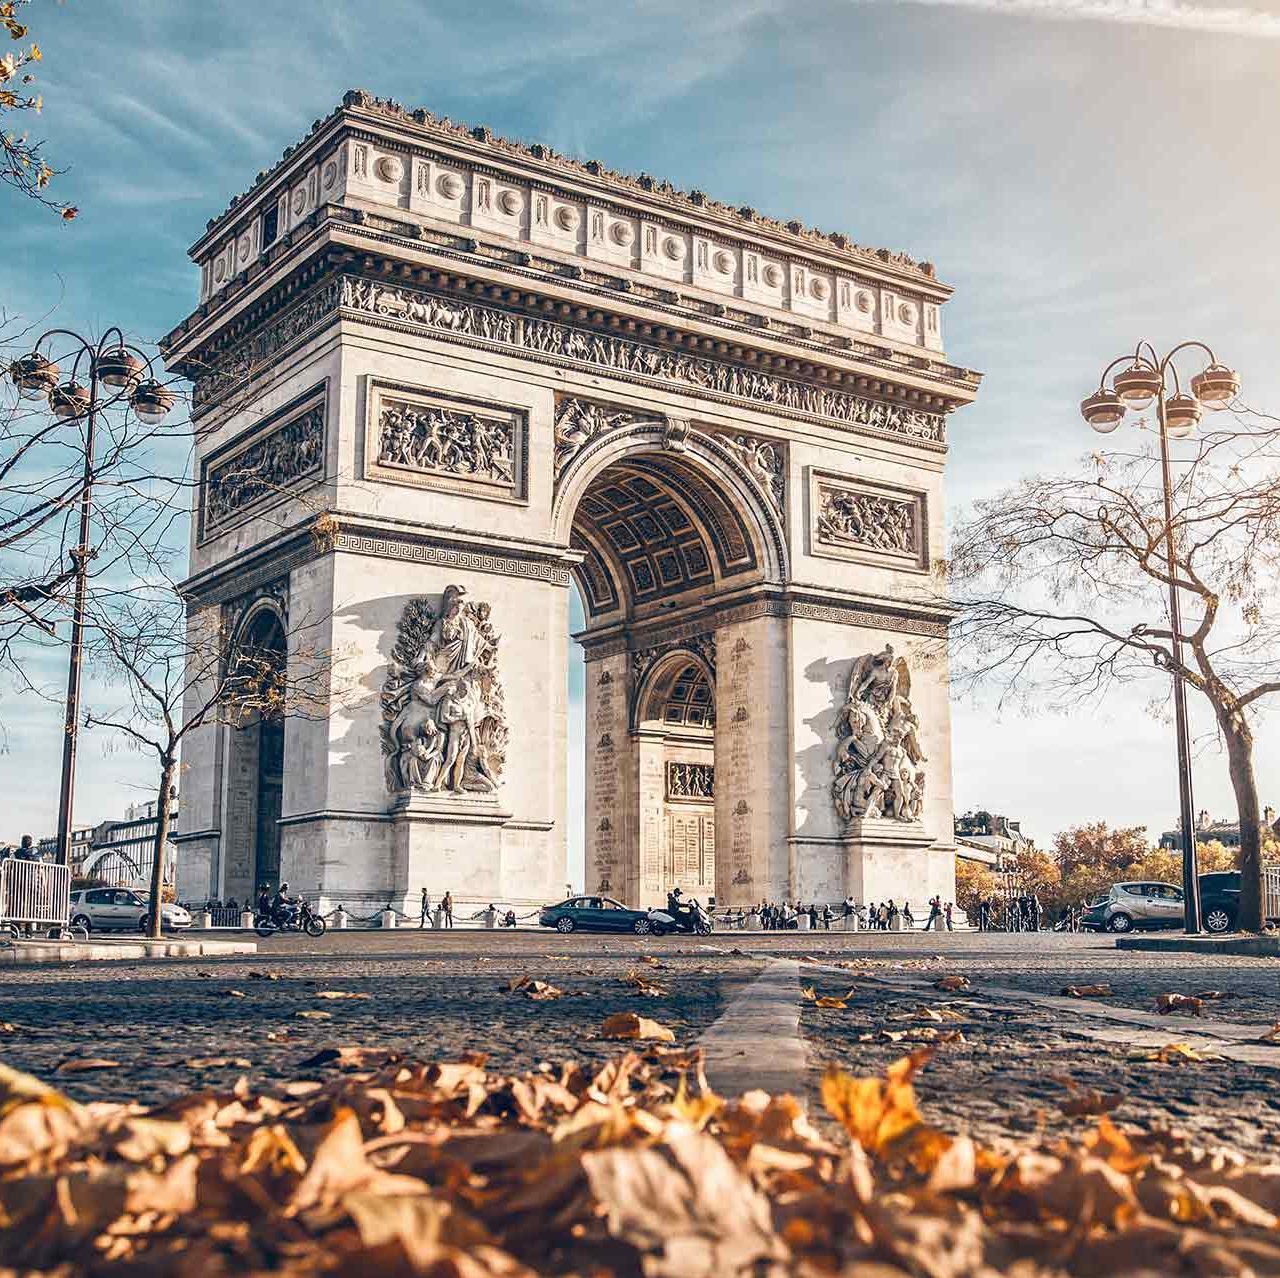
[(438, 995)]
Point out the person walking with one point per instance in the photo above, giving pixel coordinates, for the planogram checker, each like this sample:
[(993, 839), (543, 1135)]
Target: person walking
[(813, 918), (947, 915), (827, 916), (424, 910), (935, 908), (446, 904)]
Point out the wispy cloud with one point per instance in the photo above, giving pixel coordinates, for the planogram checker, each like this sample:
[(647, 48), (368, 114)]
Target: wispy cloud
[(1154, 13)]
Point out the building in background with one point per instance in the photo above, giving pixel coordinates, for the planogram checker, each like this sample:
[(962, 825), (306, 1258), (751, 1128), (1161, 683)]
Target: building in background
[(988, 839), (1225, 832)]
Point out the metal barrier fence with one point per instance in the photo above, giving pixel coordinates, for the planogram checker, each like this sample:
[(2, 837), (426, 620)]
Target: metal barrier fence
[(34, 892), (1271, 892)]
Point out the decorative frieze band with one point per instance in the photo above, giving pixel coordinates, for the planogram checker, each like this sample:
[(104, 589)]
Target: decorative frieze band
[(633, 360)]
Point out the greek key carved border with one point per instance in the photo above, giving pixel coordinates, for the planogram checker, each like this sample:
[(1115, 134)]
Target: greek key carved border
[(416, 550)]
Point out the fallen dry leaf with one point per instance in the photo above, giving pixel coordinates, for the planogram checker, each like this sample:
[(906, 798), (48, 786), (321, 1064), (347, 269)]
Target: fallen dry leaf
[(232, 993), (627, 1025), (1209, 996), (87, 1065), (950, 984), (314, 1016), (219, 1062), (1087, 1101), (340, 994), (1272, 1035), (1102, 990), (644, 987), (1167, 1003), (539, 991)]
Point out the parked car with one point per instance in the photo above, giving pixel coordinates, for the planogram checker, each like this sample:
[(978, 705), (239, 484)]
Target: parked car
[(120, 909), (594, 914), (1135, 905)]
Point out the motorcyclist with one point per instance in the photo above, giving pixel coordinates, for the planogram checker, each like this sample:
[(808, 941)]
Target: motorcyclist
[(264, 902), (283, 906)]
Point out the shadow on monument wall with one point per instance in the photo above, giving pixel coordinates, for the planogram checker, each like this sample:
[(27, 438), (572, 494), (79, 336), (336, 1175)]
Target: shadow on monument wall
[(813, 796)]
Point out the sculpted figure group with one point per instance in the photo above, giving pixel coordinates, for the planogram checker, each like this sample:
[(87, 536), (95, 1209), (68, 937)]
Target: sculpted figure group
[(878, 770), (444, 725)]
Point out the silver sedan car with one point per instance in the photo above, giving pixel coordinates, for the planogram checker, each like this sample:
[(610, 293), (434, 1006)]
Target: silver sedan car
[(1141, 905), (107, 909)]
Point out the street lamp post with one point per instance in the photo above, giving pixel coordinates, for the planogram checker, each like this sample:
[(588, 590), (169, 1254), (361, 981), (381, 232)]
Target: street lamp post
[(1149, 377), (127, 374)]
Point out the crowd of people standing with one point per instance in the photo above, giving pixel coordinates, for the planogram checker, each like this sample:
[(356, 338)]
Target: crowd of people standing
[(884, 916)]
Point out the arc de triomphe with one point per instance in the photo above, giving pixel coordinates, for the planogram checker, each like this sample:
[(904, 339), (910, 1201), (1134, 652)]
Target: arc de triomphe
[(439, 376)]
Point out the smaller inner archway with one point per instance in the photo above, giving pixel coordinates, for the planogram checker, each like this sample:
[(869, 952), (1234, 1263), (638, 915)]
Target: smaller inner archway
[(255, 757), (675, 740)]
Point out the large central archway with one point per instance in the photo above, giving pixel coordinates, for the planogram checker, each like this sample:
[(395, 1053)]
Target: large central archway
[(668, 526)]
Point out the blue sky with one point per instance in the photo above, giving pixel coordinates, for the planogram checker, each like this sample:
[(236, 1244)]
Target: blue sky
[(1085, 172)]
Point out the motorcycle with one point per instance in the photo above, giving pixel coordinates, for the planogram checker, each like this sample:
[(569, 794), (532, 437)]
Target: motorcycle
[(692, 919), (297, 919)]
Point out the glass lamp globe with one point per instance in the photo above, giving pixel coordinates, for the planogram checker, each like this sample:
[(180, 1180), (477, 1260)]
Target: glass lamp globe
[(68, 401), (1216, 387), (117, 367), (151, 401), (1181, 413), (34, 375), (1103, 410), (1137, 385)]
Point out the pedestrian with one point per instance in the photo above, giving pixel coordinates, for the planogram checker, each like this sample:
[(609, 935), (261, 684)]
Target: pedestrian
[(26, 849), (1034, 906), (446, 904), (813, 918), (907, 917), (827, 916), (947, 914), (424, 909), (935, 908)]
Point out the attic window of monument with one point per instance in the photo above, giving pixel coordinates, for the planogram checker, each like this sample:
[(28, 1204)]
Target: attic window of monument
[(270, 226), (689, 703)]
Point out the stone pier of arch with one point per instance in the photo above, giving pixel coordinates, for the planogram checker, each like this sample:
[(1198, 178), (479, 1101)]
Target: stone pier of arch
[(439, 378)]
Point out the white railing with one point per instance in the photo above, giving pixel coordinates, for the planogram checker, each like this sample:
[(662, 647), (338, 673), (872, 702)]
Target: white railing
[(34, 892), (1270, 892)]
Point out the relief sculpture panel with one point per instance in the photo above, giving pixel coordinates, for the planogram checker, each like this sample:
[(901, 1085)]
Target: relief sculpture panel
[(422, 438), (444, 725), (868, 522), (879, 763)]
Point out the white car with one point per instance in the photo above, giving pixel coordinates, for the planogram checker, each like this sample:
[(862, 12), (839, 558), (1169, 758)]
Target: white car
[(104, 909)]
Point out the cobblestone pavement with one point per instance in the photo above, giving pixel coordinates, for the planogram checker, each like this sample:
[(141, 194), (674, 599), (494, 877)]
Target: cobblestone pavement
[(440, 995)]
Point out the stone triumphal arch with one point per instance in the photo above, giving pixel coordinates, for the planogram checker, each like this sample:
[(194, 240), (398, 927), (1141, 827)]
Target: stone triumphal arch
[(438, 377)]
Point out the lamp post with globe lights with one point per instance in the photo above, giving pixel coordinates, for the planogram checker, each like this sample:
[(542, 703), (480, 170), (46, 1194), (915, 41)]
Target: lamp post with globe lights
[(1146, 377), (104, 375)]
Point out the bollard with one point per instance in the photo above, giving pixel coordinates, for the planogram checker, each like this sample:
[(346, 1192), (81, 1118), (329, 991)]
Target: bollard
[(895, 922), (387, 918), (753, 923), (204, 919), (939, 924), (437, 919), (491, 918), (802, 922), (340, 919)]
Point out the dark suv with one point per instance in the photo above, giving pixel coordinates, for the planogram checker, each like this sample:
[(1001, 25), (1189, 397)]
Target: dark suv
[(1220, 900)]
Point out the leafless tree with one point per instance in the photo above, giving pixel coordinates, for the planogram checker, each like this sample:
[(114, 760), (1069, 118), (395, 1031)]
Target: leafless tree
[(1062, 584), (167, 672)]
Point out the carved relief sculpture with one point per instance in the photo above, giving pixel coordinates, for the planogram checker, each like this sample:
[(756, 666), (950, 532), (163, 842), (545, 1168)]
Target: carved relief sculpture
[(266, 468), (691, 781), (878, 767), (444, 725), (763, 458), (877, 522), (445, 441), (578, 421)]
